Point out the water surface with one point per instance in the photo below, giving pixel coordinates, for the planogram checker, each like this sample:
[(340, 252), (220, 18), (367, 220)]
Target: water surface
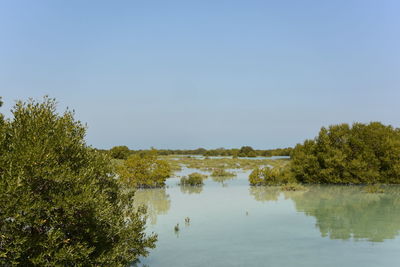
[(234, 224)]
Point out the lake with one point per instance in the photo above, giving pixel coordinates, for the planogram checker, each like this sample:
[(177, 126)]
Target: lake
[(234, 224)]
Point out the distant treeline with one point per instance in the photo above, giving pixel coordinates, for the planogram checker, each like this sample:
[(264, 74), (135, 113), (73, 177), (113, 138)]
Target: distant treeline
[(122, 152)]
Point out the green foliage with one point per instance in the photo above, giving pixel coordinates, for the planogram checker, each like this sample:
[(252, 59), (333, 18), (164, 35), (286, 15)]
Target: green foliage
[(119, 152), (247, 151), (360, 154), (219, 172), (1, 121), (233, 152), (270, 176), (193, 179), (208, 164), (144, 170), (60, 205)]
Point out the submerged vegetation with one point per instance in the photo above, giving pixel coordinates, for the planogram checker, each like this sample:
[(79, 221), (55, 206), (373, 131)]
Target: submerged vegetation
[(60, 204)]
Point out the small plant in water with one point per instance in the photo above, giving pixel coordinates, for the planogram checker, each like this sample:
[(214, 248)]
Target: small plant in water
[(193, 179), (187, 221), (373, 189)]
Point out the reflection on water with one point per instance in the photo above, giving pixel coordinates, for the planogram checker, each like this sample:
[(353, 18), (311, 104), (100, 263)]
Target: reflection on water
[(189, 189), (265, 193), (156, 200), (222, 179), (344, 212), (241, 225)]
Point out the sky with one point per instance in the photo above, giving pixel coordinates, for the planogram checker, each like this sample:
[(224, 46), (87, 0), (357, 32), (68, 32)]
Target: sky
[(189, 74)]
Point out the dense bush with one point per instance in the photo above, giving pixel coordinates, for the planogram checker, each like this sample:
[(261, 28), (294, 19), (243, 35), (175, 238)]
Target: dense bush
[(193, 179), (144, 170), (60, 205), (343, 154), (119, 152), (247, 151), (268, 176)]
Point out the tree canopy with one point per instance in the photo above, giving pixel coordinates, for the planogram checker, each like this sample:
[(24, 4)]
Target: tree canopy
[(60, 204), (144, 170), (344, 154), (119, 152), (247, 151)]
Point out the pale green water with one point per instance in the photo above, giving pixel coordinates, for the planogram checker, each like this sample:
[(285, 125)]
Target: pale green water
[(233, 224)]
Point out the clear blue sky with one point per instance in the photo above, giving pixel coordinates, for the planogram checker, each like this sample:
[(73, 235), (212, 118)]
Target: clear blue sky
[(188, 74)]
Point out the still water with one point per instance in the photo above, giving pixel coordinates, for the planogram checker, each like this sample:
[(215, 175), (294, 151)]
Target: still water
[(233, 224)]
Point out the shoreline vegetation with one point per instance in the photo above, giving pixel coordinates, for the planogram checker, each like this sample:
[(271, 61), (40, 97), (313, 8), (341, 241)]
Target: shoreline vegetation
[(65, 203), (358, 154), (122, 152)]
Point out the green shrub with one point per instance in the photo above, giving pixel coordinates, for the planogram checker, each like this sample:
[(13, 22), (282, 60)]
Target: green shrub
[(144, 170), (268, 176), (119, 152), (343, 154), (193, 179), (246, 151), (60, 204)]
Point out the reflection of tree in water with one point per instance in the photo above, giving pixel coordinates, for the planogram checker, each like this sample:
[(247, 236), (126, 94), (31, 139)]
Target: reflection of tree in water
[(190, 189), (345, 212), (265, 193), (156, 200), (222, 179)]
